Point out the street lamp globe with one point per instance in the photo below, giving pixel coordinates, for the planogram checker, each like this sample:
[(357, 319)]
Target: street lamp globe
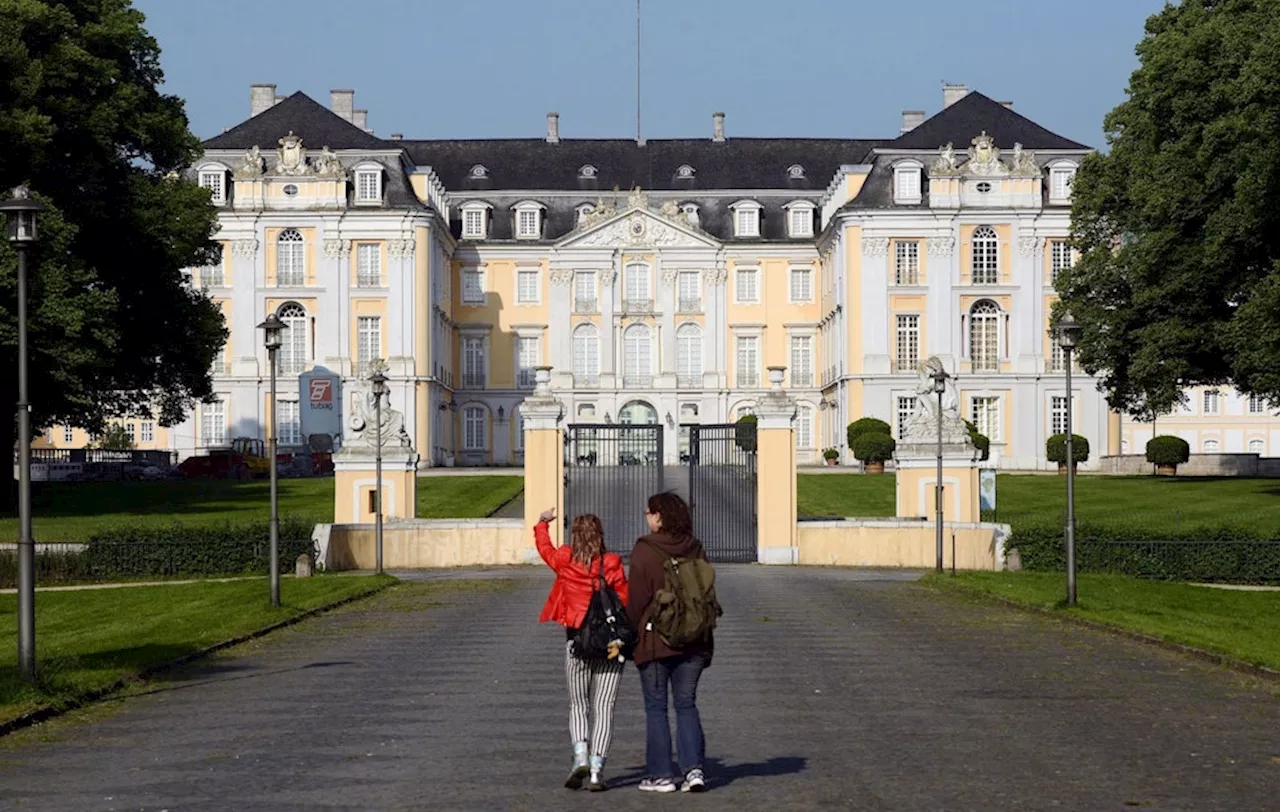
[(379, 382), (272, 331), (21, 210), (939, 376), (1068, 331)]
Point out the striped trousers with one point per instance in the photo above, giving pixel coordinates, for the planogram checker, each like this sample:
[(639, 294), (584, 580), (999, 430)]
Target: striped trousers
[(593, 690)]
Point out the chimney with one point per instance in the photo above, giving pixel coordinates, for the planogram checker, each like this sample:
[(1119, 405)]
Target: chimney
[(261, 98), (342, 102), (717, 127), (911, 119), (1008, 105), (952, 94), (553, 128), (397, 136), (360, 118)]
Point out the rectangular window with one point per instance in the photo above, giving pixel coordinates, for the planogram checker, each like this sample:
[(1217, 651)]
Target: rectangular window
[(368, 341), (1057, 415), (909, 184), (527, 357), (586, 356), (368, 265), (368, 183), (527, 223), (747, 222), (288, 423), (747, 288), (211, 276), (526, 285), (213, 423), (148, 431), (131, 429), (473, 285), (519, 421), (1211, 401), (215, 183), (689, 356), (986, 416), (908, 342), (801, 361), (906, 255), (584, 292), (473, 428), (1061, 189), (748, 361), (804, 428), (637, 288), (473, 223), (1257, 405), (473, 363), (906, 409), (68, 434), (1057, 356), (689, 294), (802, 284), (1059, 258), (801, 221)]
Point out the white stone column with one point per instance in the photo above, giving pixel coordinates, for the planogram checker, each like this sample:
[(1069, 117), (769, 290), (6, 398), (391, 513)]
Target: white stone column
[(608, 329), (559, 336), (667, 320), (331, 343), (875, 305), (943, 315), (246, 310)]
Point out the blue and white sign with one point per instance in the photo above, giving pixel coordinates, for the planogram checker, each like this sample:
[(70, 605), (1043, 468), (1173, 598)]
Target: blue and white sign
[(320, 393), (987, 488)]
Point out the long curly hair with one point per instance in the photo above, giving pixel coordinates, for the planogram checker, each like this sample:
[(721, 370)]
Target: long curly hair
[(587, 533), (674, 513)]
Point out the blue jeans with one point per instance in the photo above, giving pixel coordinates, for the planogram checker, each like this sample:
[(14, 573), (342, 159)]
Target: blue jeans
[(682, 674)]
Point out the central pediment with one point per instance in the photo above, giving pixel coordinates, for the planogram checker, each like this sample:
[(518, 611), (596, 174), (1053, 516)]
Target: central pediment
[(637, 226)]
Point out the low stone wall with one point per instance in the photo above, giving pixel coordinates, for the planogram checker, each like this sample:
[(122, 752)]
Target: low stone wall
[(910, 544), (1236, 464), (427, 543)]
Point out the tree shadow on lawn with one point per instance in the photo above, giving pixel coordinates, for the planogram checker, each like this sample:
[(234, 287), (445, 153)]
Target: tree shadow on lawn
[(720, 774)]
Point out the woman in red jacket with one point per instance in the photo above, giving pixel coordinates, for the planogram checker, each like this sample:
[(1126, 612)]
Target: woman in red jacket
[(593, 684)]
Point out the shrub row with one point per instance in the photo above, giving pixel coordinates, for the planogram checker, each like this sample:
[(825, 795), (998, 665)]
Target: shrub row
[(1208, 554)]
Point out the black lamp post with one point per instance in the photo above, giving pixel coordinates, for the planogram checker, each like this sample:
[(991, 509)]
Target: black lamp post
[(940, 377), (272, 328), (1068, 333), (378, 383), (21, 211)]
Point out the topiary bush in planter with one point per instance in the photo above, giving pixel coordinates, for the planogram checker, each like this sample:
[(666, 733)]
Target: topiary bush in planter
[(873, 449), (831, 455), (1055, 449), (866, 425), (980, 441), (745, 433), (1167, 452)]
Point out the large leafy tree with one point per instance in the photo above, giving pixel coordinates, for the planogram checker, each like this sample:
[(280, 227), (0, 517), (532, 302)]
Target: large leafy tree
[(1179, 224), (114, 326)]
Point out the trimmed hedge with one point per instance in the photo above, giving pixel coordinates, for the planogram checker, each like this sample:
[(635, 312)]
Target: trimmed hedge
[(1055, 448), (1208, 554), (874, 447), (1168, 450), (865, 425), (745, 433), (980, 441)]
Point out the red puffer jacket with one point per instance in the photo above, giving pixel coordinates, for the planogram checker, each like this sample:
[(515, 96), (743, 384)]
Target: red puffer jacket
[(571, 593)]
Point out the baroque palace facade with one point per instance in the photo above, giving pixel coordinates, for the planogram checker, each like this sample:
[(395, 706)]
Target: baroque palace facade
[(658, 278)]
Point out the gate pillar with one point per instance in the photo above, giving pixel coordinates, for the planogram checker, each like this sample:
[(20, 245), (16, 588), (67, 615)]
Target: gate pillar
[(776, 473), (543, 453)]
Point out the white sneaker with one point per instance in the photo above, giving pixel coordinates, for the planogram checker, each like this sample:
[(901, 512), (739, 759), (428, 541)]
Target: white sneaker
[(695, 781), (658, 785)]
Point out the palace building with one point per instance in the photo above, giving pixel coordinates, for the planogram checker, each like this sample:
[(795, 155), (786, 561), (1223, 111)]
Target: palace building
[(659, 279)]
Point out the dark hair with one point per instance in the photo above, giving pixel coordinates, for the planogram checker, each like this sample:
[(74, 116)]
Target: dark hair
[(588, 538), (674, 513)]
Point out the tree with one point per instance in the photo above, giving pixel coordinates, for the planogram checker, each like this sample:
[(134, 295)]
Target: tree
[(114, 327), (744, 435), (873, 446), (1055, 448), (979, 440), (114, 438), (865, 425), (1178, 282)]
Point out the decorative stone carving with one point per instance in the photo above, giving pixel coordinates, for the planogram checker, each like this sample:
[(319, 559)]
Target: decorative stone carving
[(670, 210), (364, 423), (923, 425), (291, 157), (637, 199), (946, 162), (252, 165), (609, 277), (984, 157), (638, 230), (334, 249), (1024, 163), (1028, 246), (401, 248), (875, 246), (942, 246), (244, 248), (669, 277), (327, 165), (562, 276)]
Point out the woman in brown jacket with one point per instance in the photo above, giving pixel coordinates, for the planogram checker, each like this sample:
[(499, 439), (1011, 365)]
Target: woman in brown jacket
[(671, 535)]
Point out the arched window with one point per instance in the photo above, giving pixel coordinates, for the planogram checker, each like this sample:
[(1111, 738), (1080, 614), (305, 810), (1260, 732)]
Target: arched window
[(637, 356), (292, 356), (290, 266), (986, 256), (1257, 446), (984, 336), (689, 355), (586, 355), (1211, 446)]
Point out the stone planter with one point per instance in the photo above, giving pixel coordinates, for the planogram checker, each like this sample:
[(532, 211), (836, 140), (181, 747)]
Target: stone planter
[(1013, 560), (832, 462), (874, 467), (1062, 467), (1166, 470)]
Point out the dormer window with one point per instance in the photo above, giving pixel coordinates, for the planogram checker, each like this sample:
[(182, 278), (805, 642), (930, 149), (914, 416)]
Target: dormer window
[(368, 184), (475, 221), (583, 212), (215, 180), (800, 219), (587, 172), (1062, 175), (528, 220), (685, 172), (906, 182), (478, 172), (746, 218), (795, 172), (690, 211)]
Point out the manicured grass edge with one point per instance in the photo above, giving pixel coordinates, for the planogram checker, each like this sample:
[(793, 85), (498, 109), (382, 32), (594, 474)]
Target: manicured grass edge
[(1228, 661), (499, 508), (47, 712)]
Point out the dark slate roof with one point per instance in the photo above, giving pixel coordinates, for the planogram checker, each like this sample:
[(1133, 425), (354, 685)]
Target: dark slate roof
[(737, 163), (964, 120), (316, 124)]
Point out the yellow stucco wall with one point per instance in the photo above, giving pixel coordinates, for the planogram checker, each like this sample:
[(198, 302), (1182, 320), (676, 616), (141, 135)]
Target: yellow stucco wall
[(853, 285), (544, 477), (883, 544), (425, 544), (776, 480), (352, 490), (916, 496)]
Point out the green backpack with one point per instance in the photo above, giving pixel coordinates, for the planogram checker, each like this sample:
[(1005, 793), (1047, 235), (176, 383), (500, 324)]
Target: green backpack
[(685, 609)]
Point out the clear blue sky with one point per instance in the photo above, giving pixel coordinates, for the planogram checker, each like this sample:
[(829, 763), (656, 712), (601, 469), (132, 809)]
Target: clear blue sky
[(493, 68)]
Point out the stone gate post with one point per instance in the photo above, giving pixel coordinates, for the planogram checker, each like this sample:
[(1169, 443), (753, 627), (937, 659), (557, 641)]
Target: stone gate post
[(776, 474), (543, 453)]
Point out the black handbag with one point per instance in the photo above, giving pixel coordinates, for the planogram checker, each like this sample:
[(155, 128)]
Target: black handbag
[(605, 632)]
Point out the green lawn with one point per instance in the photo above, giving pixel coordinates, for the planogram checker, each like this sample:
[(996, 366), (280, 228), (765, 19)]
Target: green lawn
[(1157, 502), (86, 640), (73, 512), (1242, 624)]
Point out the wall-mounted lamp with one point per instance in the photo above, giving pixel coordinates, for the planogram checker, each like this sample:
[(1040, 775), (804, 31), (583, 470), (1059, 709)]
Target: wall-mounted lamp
[(501, 413), (607, 419), (671, 424)]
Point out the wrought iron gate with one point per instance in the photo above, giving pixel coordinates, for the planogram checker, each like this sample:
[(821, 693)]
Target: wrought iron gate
[(722, 490), (611, 470)]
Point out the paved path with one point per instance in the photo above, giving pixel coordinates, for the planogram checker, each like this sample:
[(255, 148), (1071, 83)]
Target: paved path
[(832, 689)]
